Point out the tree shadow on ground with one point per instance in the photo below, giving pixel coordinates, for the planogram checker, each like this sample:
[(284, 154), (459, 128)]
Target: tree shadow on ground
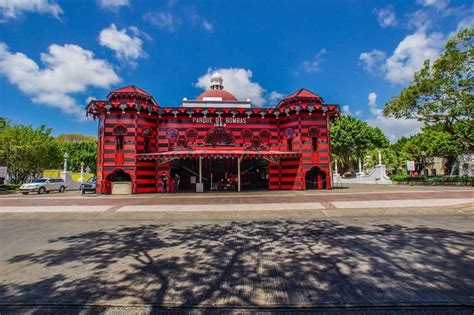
[(249, 264)]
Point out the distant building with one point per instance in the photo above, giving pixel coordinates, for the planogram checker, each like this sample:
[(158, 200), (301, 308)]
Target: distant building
[(215, 140)]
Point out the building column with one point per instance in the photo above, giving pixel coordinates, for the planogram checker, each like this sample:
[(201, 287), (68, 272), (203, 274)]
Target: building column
[(200, 169), (238, 173)]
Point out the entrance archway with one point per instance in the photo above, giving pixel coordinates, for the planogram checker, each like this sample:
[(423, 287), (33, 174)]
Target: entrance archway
[(316, 178), (119, 182), (119, 175)]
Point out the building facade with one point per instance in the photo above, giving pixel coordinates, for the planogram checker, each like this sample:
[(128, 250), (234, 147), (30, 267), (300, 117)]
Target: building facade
[(212, 142)]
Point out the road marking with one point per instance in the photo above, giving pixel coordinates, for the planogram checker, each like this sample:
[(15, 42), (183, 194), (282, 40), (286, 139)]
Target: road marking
[(225, 207), (36, 209), (400, 203)]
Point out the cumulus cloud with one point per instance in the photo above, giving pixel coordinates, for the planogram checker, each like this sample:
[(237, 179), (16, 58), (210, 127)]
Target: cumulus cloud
[(465, 23), (386, 16), (393, 128), (275, 96), (126, 47), (406, 59), (372, 60), (207, 26), (11, 9), (410, 54), (346, 110), (113, 4), (162, 20), (66, 70), (437, 4), (313, 64), (238, 81)]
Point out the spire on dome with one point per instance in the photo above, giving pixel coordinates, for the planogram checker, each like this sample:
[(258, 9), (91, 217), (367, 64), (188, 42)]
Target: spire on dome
[(216, 81)]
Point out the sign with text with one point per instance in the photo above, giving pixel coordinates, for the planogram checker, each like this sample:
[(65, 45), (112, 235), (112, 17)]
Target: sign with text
[(411, 166), (219, 120)]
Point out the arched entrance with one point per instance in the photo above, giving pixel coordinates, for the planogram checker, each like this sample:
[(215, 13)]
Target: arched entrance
[(119, 183), (316, 178)]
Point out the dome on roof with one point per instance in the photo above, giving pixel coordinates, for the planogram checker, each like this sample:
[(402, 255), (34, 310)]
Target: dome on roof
[(226, 96), (216, 90)]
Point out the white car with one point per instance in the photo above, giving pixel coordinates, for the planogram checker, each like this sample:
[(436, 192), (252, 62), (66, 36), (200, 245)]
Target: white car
[(43, 185)]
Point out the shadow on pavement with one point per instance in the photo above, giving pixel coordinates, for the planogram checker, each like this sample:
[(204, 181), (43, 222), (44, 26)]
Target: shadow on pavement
[(250, 264)]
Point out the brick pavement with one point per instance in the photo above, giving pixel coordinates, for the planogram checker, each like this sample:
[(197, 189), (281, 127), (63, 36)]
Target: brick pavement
[(384, 263)]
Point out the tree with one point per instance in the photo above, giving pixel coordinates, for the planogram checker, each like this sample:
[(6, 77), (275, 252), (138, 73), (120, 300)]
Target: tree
[(27, 151), (78, 152), (432, 142), (352, 138), (441, 93), (74, 137), (394, 160)]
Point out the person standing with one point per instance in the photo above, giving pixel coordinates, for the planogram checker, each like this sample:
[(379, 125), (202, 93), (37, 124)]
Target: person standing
[(177, 179), (164, 182)]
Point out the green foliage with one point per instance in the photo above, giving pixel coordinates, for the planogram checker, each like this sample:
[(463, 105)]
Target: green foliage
[(27, 151), (5, 187), (80, 152), (394, 160), (74, 137), (432, 180), (441, 93), (432, 141), (352, 138)]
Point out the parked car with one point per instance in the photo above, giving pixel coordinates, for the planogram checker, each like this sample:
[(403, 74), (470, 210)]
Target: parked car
[(90, 185), (43, 185)]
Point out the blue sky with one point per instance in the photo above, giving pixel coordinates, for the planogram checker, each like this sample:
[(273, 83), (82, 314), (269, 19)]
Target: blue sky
[(54, 55)]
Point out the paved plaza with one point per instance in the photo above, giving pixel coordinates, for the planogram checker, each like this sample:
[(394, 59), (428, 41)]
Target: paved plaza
[(412, 252)]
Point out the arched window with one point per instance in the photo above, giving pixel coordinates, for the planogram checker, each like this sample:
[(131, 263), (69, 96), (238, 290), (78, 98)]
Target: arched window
[(219, 136), (289, 134), (147, 133), (247, 135), (171, 134), (119, 131), (313, 133)]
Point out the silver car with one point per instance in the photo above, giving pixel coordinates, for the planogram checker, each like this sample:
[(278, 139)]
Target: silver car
[(43, 185)]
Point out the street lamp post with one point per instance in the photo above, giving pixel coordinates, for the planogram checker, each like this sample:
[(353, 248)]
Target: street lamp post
[(423, 162), (66, 156)]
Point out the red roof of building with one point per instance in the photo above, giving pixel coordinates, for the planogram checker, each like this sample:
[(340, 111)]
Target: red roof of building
[(297, 95), (130, 89), (226, 96), (302, 93)]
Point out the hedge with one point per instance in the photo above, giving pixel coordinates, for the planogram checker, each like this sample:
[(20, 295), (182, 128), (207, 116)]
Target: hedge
[(432, 180)]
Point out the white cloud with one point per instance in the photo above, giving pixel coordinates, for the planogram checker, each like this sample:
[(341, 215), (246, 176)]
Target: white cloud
[(275, 96), (465, 23), (392, 127), (162, 20), (372, 60), (410, 54), (207, 26), (437, 4), (11, 9), (313, 64), (346, 110), (126, 47), (386, 16), (113, 4), (407, 58), (90, 98), (238, 81), (372, 99), (66, 70)]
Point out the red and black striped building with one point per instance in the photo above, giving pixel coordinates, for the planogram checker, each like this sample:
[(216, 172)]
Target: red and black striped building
[(215, 140)]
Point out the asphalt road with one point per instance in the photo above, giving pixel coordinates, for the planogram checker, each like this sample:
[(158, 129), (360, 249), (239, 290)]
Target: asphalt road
[(365, 264)]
